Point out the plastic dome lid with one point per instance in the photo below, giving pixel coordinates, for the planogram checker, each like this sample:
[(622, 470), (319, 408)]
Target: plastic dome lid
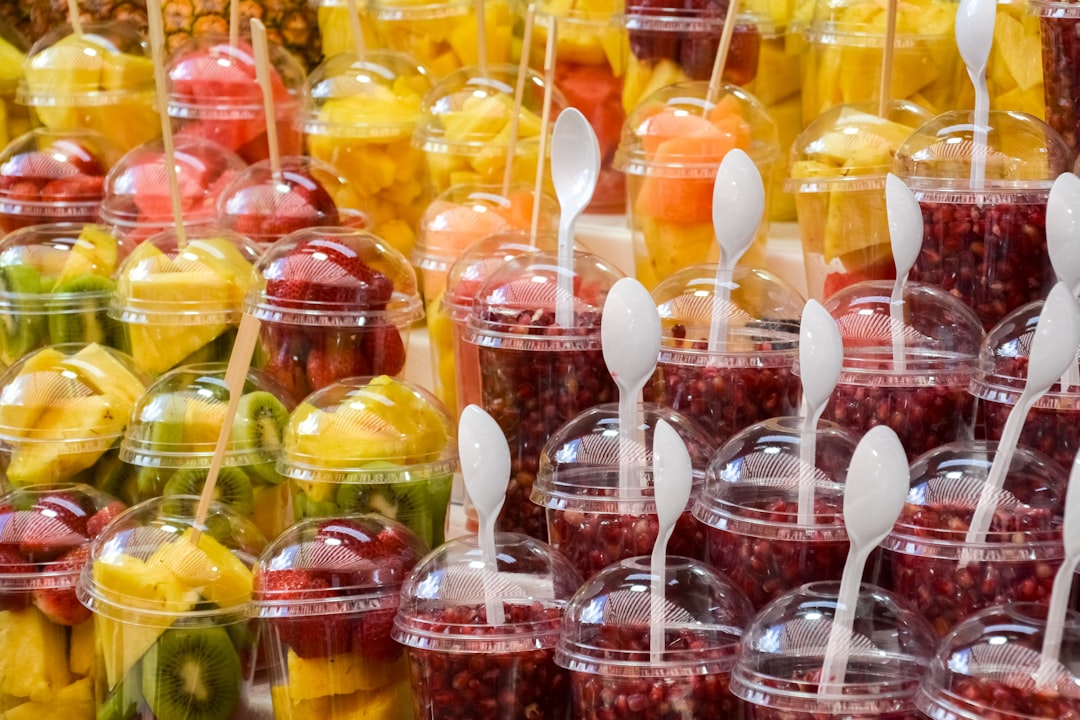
[(580, 462), (52, 175), (442, 605), (696, 19), (334, 277), (1055, 8), (862, 22), (783, 650), (851, 147), (677, 132), (1023, 153), (413, 10)]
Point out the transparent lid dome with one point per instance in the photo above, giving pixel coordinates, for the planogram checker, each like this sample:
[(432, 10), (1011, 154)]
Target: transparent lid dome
[(582, 11), (862, 22), (677, 132), (415, 10), (13, 48), (783, 650), (334, 277), (52, 175), (851, 147), (443, 608), (1067, 9), (472, 267), (580, 462), (700, 19), (1022, 153)]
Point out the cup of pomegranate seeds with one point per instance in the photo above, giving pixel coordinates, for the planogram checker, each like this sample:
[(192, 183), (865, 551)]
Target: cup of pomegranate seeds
[(533, 374), (591, 519), (922, 394), (614, 673), (779, 667), (747, 377), (987, 668), (750, 507), (1060, 25), (925, 558), (984, 242), (466, 665)]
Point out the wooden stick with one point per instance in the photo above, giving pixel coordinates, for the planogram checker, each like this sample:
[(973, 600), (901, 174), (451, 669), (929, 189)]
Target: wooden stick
[(74, 17), (887, 58), (716, 79), (262, 75), (234, 23), (481, 37), (359, 47), (157, 51), (545, 122), (519, 95)]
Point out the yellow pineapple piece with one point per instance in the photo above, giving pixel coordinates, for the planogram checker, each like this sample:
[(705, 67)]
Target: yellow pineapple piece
[(661, 248), (83, 648), (38, 463), (33, 656), (342, 674), (74, 702), (33, 390), (287, 708)]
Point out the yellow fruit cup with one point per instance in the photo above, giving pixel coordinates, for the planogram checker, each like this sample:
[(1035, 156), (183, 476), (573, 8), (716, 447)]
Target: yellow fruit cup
[(336, 29), (1014, 72), (14, 119)]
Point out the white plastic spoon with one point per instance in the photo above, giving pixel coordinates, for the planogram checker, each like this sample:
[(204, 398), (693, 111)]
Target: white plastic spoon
[(738, 205), (1063, 245), (671, 487), (974, 37), (575, 167), (874, 494), (905, 235), (821, 356)]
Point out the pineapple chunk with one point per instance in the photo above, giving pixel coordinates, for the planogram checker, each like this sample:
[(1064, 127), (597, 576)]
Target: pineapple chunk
[(95, 252), (33, 656), (50, 462), (74, 702), (337, 675), (102, 371), (83, 648), (286, 708), (26, 397)]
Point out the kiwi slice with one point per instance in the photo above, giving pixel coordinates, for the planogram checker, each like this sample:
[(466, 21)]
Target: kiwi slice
[(22, 325), (166, 435), (122, 702), (305, 507), (83, 319), (439, 488), (406, 502), (233, 487), (115, 477), (192, 675), (260, 422)]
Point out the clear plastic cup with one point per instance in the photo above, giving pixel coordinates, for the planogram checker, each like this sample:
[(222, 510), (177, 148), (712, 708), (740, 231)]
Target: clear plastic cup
[(180, 306), (750, 507), (614, 674), (47, 634), (51, 176), (62, 410), (924, 397), (359, 117), (101, 80), (137, 201), (334, 303), (170, 601), (336, 31), (532, 374), (464, 664), (372, 445), (1058, 23), (465, 128), (672, 146), (327, 592), (838, 166), (14, 118), (594, 521), (984, 242), (747, 377), (925, 558), (213, 94), (57, 282), (779, 668)]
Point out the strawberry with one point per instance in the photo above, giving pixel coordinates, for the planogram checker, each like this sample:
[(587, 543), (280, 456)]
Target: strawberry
[(59, 604), (79, 157), (12, 562), (103, 517), (73, 509), (315, 636), (23, 191), (383, 347), (74, 187), (339, 357), (371, 636)]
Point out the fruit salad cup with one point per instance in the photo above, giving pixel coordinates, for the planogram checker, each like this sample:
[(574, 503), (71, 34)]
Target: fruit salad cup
[(614, 673), (137, 201), (923, 396), (62, 411), (14, 118), (926, 560), (334, 303), (53, 176), (465, 128), (594, 521), (1059, 24), (779, 668), (170, 601), (372, 445), (335, 27), (465, 664), (100, 80), (57, 281), (746, 378), (47, 636), (327, 592), (984, 242), (213, 94), (751, 509), (534, 375), (838, 167), (181, 305), (671, 149), (359, 117)]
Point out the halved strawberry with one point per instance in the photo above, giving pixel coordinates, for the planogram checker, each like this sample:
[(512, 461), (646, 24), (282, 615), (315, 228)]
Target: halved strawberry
[(313, 636), (59, 604), (103, 517), (12, 562), (74, 187), (340, 356), (384, 349)]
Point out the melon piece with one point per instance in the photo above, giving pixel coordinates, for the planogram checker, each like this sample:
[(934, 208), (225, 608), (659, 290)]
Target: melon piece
[(453, 228), (33, 656)]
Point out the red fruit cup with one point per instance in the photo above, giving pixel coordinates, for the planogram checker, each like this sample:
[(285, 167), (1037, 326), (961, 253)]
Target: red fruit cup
[(334, 303), (924, 396), (534, 375), (181, 305), (327, 592), (926, 559), (171, 605), (464, 665), (1061, 66), (750, 507), (984, 242), (137, 201), (53, 176), (747, 377), (213, 94), (779, 668), (987, 668), (614, 674), (591, 519)]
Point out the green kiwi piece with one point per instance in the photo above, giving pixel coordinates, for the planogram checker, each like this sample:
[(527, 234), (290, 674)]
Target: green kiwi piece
[(166, 436), (304, 507), (22, 325), (122, 702), (83, 319), (233, 487), (192, 675), (217, 350), (115, 477), (260, 422), (439, 488), (407, 502)]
